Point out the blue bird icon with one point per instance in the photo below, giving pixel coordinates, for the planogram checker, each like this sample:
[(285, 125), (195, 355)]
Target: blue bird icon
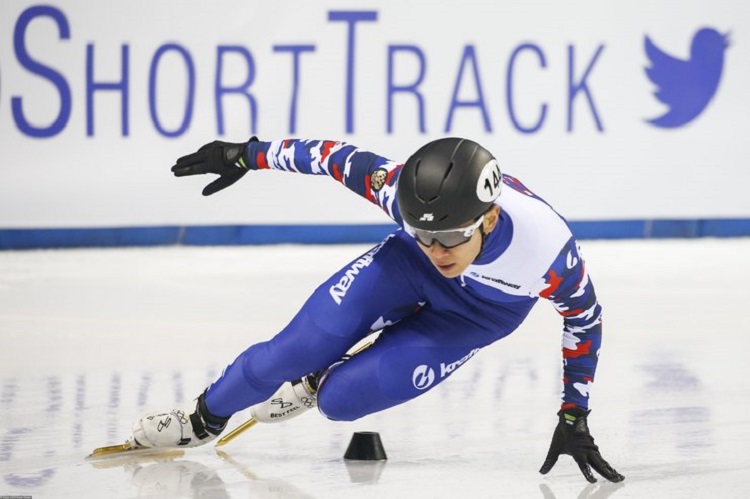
[(686, 87)]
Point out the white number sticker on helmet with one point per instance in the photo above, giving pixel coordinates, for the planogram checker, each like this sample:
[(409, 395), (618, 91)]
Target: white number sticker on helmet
[(490, 182)]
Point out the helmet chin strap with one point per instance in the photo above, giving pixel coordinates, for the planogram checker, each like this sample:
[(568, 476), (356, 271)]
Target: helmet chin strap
[(481, 246)]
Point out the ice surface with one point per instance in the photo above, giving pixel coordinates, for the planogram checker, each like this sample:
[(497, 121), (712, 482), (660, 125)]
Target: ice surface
[(89, 338)]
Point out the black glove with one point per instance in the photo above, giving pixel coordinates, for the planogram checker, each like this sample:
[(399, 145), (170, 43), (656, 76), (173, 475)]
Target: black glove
[(221, 158), (572, 437)]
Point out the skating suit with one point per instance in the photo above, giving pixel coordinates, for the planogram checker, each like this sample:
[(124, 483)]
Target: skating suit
[(431, 325)]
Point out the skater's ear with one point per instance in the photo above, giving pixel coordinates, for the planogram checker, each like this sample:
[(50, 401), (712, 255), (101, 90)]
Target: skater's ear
[(491, 218)]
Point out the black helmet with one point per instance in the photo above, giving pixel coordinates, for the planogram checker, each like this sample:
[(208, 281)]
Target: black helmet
[(447, 183)]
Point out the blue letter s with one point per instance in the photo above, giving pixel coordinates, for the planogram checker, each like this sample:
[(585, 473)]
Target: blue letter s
[(43, 71)]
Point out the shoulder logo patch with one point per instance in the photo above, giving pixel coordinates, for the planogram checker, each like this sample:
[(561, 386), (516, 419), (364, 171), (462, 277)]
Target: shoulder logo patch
[(377, 179)]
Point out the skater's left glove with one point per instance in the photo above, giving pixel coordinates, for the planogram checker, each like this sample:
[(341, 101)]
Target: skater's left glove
[(572, 437), (222, 158)]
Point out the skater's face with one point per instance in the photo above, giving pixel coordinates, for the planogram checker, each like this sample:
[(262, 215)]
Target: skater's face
[(451, 262)]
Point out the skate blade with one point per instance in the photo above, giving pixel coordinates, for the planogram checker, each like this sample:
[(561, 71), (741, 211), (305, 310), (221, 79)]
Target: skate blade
[(115, 449), (236, 432), (130, 449)]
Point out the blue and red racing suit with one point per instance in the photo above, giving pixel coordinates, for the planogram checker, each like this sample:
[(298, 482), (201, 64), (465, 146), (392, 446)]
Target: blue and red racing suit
[(427, 321)]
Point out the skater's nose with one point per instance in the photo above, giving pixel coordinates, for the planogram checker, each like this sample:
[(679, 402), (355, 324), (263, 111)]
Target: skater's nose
[(437, 250)]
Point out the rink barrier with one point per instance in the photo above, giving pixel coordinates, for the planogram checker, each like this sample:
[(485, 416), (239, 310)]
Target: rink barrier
[(231, 235)]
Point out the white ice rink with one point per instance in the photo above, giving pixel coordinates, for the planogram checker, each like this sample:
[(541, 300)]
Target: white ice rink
[(90, 338)]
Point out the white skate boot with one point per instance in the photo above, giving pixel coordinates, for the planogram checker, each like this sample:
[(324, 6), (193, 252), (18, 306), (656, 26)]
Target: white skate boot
[(289, 401), (188, 426)]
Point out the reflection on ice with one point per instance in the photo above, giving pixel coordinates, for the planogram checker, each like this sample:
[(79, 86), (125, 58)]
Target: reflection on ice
[(260, 487), (670, 377), (598, 490), (364, 471)]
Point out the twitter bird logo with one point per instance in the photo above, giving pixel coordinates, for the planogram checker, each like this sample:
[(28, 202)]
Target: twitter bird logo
[(686, 87)]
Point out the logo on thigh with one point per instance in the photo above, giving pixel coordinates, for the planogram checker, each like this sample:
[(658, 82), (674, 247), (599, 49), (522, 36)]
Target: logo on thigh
[(423, 377), (338, 290)]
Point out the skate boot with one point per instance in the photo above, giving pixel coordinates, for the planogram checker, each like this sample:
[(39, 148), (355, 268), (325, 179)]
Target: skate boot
[(289, 401), (188, 426)]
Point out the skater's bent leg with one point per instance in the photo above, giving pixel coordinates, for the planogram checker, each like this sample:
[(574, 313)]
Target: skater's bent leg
[(301, 348), (400, 366), (332, 320)]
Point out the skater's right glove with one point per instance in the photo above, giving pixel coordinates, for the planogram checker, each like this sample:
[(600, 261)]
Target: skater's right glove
[(222, 158), (572, 437)]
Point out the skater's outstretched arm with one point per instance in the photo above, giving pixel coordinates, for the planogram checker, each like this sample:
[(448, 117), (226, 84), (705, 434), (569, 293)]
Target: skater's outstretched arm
[(369, 175), (569, 288)]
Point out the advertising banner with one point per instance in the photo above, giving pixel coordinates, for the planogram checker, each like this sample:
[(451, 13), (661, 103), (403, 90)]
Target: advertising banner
[(609, 111)]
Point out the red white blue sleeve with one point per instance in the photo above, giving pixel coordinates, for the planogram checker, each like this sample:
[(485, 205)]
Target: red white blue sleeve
[(572, 294), (369, 175)]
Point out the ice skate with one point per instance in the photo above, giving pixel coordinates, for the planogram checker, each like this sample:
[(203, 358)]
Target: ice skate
[(189, 426), (289, 401)]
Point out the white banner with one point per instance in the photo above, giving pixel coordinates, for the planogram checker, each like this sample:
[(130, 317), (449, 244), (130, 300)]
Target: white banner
[(97, 100)]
